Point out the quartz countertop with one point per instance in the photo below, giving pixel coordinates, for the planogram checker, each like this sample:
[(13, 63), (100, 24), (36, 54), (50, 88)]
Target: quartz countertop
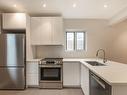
[(113, 73), (31, 60)]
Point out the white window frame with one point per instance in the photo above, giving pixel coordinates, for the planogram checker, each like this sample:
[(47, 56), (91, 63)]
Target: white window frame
[(75, 46)]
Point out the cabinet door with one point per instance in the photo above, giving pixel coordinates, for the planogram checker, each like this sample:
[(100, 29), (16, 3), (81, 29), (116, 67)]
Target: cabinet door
[(35, 31), (57, 31), (41, 30), (14, 21), (32, 74), (46, 30), (71, 74), (85, 79)]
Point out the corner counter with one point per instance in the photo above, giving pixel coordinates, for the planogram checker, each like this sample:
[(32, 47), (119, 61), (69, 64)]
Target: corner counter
[(114, 73)]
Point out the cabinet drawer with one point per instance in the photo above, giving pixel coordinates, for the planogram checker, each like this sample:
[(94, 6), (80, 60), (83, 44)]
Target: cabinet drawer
[(32, 68)]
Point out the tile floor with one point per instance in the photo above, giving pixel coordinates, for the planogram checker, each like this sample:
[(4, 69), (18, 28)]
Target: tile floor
[(33, 91)]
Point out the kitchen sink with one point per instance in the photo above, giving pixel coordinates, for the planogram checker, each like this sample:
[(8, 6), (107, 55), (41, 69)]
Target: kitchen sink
[(95, 63)]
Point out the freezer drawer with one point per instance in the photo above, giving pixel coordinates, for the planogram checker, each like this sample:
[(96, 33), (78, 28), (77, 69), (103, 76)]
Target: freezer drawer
[(12, 78)]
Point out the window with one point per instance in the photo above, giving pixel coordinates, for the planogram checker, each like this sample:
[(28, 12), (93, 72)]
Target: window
[(75, 40), (70, 41)]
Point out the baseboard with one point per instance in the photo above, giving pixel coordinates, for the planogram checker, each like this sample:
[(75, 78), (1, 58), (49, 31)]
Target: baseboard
[(65, 86), (71, 86), (32, 86)]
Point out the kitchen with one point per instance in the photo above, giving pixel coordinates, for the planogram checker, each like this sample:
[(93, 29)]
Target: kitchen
[(59, 46)]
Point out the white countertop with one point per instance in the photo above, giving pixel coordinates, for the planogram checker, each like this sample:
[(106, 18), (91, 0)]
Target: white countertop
[(31, 60), (113, 73)]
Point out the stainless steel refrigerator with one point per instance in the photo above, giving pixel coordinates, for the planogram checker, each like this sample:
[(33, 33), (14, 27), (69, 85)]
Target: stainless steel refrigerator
[(12, 61)]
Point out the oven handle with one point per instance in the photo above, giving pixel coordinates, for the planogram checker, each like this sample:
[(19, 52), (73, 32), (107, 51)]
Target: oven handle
[(52, 66), (98, 81)]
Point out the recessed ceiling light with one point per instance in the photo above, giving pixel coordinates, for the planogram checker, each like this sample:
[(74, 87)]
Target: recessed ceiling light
[(14, 5), (74, 5), (105, 6), (44, 5)]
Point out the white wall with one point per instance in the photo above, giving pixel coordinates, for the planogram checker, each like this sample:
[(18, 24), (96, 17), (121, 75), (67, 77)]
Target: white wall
[(118, 46), (98, 34)]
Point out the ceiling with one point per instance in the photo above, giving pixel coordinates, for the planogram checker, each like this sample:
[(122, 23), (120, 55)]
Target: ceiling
[(80, 9)]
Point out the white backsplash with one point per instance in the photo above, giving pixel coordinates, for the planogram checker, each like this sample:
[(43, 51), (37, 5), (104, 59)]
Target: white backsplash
[(49, 51), (59, 51)]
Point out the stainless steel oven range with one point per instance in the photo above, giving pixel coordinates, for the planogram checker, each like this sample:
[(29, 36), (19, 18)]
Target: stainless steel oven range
[(51, 73)]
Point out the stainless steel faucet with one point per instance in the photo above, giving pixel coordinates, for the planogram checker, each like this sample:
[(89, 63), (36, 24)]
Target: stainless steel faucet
[(104, 59)]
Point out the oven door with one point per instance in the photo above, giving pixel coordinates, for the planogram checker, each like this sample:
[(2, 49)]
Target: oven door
[(50, 73)]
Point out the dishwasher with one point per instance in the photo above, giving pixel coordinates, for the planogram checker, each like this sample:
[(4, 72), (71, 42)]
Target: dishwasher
[(98, 86)]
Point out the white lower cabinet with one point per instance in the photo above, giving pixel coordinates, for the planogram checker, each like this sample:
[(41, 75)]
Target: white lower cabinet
[(85, 79), (74, 75), (71, 74), (32, 74)]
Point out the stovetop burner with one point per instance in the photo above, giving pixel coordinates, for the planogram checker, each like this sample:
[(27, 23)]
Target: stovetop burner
[(52, 61)]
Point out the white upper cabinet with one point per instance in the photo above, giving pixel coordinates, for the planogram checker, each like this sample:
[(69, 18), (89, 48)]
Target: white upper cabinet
[(13, 21), (47, 31), (57, 31), (40, 30)]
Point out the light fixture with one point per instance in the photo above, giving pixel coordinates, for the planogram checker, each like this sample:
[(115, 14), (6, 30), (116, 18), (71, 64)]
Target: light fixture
[(15, 5), (105, 5), (74, 5), (44, 5)]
